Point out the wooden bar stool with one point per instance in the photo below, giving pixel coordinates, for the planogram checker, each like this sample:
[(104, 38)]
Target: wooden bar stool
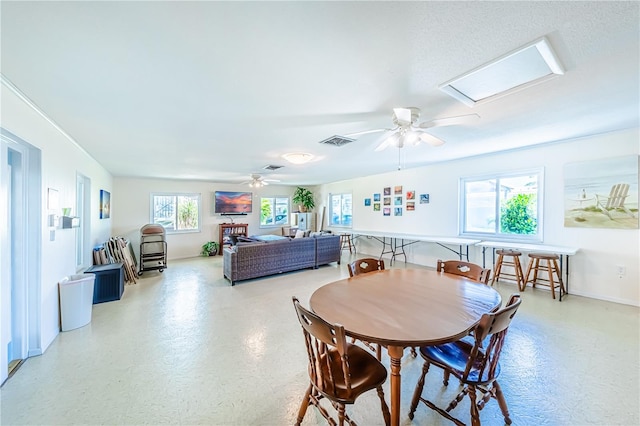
[(551, 267), (509, 258), (346, 243)]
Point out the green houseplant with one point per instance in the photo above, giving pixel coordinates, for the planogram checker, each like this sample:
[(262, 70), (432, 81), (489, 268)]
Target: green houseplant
[(304, 198), (210, 248)]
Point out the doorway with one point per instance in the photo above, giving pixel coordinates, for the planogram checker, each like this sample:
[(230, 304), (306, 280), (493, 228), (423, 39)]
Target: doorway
[(20, 208)]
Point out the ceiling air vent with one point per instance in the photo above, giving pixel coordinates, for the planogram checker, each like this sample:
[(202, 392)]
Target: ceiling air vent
[(336, 140), (272, 167)]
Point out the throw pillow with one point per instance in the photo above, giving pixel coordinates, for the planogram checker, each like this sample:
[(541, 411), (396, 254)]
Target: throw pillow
[(299, 234)]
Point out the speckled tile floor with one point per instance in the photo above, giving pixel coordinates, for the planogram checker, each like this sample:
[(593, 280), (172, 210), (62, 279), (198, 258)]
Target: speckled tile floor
[(184, 347)]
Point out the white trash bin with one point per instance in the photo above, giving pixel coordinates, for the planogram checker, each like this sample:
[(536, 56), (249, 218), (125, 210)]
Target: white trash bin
[(76, 301)]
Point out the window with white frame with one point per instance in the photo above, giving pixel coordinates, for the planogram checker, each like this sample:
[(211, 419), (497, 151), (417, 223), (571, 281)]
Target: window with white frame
[(274, 211), (176, 212), (341, 210), (503, 206)]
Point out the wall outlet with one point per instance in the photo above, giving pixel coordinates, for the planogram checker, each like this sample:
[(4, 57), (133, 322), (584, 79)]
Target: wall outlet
[(621, 270)]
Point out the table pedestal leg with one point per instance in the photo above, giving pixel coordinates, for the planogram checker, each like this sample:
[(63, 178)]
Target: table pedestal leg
[(395, 353)]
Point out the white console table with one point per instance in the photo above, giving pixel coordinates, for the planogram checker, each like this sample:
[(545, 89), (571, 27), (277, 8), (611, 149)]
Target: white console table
[(563, 252), (394, 243)]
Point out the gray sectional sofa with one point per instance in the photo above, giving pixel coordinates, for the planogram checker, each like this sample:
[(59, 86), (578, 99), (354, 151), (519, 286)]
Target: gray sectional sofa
[(255, 259)]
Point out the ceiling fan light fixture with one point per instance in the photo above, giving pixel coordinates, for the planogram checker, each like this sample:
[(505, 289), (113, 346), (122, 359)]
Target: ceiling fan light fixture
[(298, 157), (412, 138), (395, 140)]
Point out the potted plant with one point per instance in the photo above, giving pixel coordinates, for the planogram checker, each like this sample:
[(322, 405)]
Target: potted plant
[(210, 248), (304, 198)]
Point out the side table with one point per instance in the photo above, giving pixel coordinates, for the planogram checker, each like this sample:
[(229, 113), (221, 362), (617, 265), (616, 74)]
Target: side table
[(109, 283)]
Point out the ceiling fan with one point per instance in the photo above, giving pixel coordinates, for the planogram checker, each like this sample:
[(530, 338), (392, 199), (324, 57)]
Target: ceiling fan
[(408, 131), (258, 181)]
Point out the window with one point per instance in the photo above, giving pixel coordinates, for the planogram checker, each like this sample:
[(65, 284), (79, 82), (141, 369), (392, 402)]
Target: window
[(340, 209), (176, 212), (274, 211), (507, 206)]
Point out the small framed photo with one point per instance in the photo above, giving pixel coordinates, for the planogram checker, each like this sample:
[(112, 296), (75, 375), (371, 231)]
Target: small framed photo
[(397, 211), (376, 197), (424, 198), (411, 195), (411, 205), (397, 201), (386, 211), (367, 201), (387, 201), (387, 190), (376, 207), (398, 190)]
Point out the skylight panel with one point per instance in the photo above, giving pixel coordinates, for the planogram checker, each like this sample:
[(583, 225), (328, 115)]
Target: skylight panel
[(514, 71)]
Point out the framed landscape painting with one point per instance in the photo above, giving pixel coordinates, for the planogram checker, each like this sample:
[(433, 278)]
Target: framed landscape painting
[(105, 204), (602, 193)]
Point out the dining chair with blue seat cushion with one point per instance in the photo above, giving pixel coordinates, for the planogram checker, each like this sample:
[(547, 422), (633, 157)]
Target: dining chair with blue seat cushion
[(474, 363)]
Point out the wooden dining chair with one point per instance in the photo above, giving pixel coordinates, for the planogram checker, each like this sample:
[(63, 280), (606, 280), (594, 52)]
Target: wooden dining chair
[(465, 269), (338, 370), (364, 265), (474, 363)]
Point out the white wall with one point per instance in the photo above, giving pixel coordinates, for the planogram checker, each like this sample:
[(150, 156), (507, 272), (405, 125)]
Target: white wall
[(130, 209), (61, 161), (592, 270)]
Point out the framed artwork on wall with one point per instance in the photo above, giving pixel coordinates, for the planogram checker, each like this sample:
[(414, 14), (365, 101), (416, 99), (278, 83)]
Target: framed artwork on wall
[(424, 198), (367, 201), (53, 202), (602, 193), (376, 197), (411, 205), (105, 204)]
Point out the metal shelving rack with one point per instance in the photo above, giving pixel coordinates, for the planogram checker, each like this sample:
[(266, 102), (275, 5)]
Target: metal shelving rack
[(153, 248)]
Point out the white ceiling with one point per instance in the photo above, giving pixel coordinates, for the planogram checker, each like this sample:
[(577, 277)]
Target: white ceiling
[(217, 90)]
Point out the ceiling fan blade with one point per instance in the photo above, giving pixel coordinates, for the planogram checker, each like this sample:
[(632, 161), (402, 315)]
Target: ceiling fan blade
[(430, 139), (383, 145), (391, 138), (450, 121), (366, 132)]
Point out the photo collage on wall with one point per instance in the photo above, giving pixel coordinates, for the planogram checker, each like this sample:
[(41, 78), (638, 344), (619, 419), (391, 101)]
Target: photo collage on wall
[(398, 199)]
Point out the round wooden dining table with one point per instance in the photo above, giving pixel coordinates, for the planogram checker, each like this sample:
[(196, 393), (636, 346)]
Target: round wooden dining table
[(401, 308)]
